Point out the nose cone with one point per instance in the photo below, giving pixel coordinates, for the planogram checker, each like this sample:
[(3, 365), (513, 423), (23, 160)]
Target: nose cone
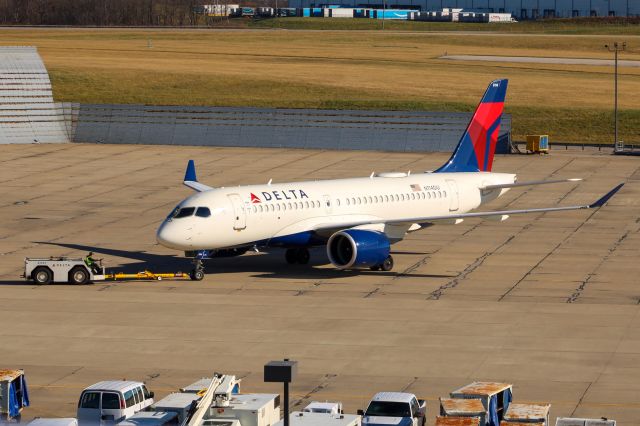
[(172, 236)]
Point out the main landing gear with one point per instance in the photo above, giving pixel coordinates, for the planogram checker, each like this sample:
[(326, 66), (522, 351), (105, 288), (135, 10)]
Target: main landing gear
[(386, 266), (197, 273), (297, 255)]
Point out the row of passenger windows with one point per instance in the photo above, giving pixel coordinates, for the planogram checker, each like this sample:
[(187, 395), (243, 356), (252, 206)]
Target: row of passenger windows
[(392, 198), (348, 201), (296, 205), (179, 213)]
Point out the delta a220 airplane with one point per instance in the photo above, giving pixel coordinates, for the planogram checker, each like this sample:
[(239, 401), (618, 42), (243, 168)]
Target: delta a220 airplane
[(356, 219)]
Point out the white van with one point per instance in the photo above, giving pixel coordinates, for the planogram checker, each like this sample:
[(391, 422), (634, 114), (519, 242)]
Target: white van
[(112, 401)]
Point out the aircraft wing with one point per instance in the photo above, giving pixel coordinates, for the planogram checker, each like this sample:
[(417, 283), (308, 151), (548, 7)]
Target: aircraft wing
[(425, 220), (191, 180)]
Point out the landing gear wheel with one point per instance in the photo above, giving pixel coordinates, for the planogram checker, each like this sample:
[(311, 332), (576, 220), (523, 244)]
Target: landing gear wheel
[(303, 256), (291, 256), (387, 265), (197, 275), (42, 275), (78, 275), (375, 268)]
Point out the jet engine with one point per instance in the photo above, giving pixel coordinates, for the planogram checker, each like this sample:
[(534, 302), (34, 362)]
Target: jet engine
[(359, 248)]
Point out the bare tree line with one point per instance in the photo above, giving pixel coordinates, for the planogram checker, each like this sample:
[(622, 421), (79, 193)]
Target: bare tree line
[(101, 12)]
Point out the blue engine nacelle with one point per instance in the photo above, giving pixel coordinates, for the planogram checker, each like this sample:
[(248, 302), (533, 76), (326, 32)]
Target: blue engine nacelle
[(358, 248)]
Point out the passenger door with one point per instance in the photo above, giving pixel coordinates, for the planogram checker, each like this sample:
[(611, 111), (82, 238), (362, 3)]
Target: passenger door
[(240, 219), (89, 408), (110, 411), (454, 203)]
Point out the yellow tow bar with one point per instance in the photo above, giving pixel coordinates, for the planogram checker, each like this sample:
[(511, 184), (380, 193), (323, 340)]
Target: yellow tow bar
[(144, 275)]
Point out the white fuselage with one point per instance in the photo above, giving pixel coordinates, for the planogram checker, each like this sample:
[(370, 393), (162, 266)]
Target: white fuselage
[(285, 214)]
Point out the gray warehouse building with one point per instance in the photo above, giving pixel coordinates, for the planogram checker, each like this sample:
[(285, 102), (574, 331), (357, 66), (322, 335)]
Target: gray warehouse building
[(520, 9)]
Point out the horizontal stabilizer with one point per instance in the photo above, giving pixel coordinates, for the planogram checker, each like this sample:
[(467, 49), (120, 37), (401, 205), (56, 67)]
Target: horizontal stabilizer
[(191, 180), (530, 183)]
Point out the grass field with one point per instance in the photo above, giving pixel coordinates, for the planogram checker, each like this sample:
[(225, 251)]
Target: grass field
[(344, 69)]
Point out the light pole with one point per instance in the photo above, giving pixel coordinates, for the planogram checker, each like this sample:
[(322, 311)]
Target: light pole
[(615, 48), (384, 8)]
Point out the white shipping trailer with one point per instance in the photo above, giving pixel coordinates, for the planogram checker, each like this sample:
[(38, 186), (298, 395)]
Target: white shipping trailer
[(341, 13), (498, 17)]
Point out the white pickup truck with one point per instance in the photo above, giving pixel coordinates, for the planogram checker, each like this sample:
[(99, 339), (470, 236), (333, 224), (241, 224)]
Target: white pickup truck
[(395, 409)]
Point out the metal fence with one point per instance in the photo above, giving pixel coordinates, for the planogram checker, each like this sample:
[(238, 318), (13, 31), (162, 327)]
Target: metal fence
[(28, 113), (260, 127)]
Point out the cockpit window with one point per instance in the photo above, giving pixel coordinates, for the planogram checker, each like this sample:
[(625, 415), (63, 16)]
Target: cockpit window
[(173, 212), (184, 212), (203, 212)]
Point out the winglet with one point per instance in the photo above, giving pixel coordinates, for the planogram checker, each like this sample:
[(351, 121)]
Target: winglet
[(190, 174), (191, 180), (603, 200)]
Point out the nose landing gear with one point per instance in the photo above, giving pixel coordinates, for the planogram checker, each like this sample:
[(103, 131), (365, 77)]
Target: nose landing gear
[(197, 273)]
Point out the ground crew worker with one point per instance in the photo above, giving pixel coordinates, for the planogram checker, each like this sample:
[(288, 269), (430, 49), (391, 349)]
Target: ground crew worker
[(92, 264)]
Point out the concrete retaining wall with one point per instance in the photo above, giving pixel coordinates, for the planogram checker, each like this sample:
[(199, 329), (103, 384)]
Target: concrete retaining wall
[(259, 127)]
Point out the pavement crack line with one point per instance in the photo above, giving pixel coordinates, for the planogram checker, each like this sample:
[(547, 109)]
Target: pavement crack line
[(326, 379), (372, 293), (65, 376), (545, 257), (439, 292), (408, 385), (580, 400), (413, 267), (628, 327), (578, 292)]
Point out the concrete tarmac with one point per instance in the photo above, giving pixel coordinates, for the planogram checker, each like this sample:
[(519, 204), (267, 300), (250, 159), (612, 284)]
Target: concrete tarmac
[(548, 302)]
